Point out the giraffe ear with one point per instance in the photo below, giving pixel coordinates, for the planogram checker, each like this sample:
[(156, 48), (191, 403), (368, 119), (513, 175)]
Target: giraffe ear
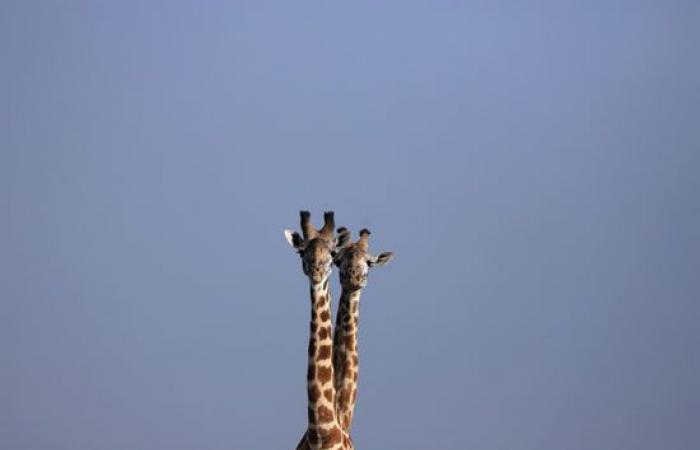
[(342, 239), (294, 239), (380, 259)]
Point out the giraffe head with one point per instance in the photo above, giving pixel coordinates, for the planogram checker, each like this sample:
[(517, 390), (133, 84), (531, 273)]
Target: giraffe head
[(317, 247), (354, 261)]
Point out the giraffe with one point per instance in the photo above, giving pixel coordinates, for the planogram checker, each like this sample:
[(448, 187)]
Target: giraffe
[(317, 248), (353, 262)]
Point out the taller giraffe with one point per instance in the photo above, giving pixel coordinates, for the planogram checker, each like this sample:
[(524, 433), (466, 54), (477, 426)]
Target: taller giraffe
[(354, 262), (316, 249)]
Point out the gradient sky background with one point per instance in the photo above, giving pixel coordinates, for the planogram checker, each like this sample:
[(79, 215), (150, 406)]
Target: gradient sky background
[(534, 165)]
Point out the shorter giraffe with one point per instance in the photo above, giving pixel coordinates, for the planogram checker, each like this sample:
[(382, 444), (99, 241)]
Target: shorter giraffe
[(354, 262), (317, 248)]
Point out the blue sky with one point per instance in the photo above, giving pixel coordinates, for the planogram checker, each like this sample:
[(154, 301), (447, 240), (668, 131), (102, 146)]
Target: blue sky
[(533, 165)]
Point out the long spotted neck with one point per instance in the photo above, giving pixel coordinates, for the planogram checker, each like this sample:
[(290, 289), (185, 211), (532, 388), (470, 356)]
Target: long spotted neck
[(323, 431), (345, 356)]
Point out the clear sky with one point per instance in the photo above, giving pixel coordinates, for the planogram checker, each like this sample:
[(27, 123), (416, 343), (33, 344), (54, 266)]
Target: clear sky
[(533, 165)]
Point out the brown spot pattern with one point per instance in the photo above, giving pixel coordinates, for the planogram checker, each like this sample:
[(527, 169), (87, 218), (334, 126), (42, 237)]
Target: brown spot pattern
[(314, 393), (324, 374), (350, 342), (343, 396), (323, 333), (324, 414), (325, 316), (328, 393), (324, 352), (330, 437)]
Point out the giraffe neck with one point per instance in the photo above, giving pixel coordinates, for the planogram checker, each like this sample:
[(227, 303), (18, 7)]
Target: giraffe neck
[(346, 356), (323, 431)]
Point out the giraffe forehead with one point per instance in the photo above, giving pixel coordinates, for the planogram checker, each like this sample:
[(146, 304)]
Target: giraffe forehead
[(354, 256), (318, 249)]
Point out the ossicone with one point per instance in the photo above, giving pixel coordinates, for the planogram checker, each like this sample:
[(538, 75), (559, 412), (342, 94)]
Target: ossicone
[(328, 223)]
